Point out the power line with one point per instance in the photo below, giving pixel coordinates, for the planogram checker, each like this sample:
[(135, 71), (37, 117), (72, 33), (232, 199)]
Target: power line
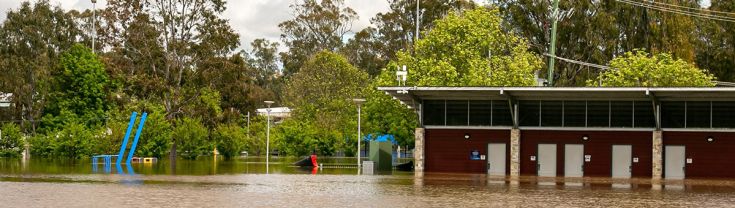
[(679, 11), (692, 8), (597, 66)]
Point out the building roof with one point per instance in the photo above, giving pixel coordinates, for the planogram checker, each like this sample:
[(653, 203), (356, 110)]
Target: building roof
[(412, 95), (275, 112), (5, 99)]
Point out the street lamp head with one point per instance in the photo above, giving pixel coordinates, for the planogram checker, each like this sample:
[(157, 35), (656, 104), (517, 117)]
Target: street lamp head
[(358, 101), (268, 103), (94, 1)]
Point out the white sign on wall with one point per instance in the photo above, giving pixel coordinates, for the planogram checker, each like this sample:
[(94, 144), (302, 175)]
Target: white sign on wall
[(689, 160), (635, 159), (533, 158), (587, 158)]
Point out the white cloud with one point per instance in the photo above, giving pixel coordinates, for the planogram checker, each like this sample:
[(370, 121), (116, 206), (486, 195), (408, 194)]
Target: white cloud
[(250, 18)]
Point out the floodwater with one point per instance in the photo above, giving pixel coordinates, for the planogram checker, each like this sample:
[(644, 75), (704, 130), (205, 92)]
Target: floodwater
[(245, 182)]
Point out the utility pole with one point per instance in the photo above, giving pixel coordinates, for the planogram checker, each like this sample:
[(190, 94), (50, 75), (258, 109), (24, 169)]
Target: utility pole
[(94, 24), (552, 48), (417, 22)]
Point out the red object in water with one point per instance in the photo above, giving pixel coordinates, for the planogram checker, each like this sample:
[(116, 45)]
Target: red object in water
[(313, 160)]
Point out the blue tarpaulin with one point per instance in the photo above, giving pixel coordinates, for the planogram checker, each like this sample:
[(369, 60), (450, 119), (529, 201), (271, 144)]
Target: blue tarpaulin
[(380, 138)]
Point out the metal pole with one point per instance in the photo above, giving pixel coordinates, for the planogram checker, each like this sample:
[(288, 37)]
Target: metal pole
[(358, 137), (268, 136), (417, 22), (248, 125), (94, 24), (268, 139), (552, 48)]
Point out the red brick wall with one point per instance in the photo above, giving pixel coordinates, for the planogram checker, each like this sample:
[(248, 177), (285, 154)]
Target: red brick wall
[(599, 146), (446, 150), (709, 159)]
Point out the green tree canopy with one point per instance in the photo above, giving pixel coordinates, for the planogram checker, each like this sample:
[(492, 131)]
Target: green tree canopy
[(316, 26), (31, 38), (598, 31), (321, 94), (638, 69), (468, 49), (230, 140), (79, 89), (191, 137), (11, 140)]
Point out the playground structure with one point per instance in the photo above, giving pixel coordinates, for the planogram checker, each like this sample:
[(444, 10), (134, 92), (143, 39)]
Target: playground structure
[(107, 159)]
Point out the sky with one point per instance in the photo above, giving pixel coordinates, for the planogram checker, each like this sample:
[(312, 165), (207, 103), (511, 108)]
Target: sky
[(250, 18)]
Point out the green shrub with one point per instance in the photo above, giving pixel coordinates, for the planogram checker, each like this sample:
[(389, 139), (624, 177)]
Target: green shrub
[(41, 145), (74, 141), (155, 140), (230, 140), (191, 138), (11, 141)]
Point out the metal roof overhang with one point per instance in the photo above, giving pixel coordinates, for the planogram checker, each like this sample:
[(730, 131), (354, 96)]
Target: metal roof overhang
[(413, 95)]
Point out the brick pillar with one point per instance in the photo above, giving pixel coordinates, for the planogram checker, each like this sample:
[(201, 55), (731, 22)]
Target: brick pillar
[(515, 152), (418, 151), (657, 157)]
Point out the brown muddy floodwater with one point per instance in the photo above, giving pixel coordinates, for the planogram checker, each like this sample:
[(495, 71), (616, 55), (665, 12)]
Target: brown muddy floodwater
[(244, 183)]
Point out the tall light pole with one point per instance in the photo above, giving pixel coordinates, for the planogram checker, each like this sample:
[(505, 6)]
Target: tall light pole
[(248, 126), (268, 135), (94, 24), (417, 22), (358, 102)]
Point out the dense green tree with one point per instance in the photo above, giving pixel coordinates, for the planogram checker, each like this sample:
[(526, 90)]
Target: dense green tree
[(321, 94), (468, 49), (73, 140), (230, 140), (384, 115), (11, 140), (256, 135), (598, 31), (79, 89), (364, 52), (265, 60), (397, 27), (715, 49), (638, 69), (178, 52), (371, 48), (326, 81), (302, 137), (155, 139), (236, 83), (31, 39), (206, 104), (174, 42), (317, 26), (192, 138)]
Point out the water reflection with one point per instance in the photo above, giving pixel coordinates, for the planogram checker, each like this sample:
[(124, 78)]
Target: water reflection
[(244, 182)]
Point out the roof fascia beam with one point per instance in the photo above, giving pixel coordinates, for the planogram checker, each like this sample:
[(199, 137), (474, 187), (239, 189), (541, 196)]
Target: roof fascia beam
[(512, 105), (656, 107)]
